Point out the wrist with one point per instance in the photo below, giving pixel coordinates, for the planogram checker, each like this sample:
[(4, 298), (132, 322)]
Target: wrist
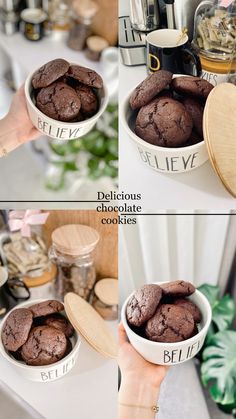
[(138, 391), (9, 135)]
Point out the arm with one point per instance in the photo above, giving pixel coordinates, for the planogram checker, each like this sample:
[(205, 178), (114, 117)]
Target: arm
[(16, 127), (140, 384)]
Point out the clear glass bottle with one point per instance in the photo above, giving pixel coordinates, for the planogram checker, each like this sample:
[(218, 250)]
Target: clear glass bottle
[(72, 251), (214, 38)]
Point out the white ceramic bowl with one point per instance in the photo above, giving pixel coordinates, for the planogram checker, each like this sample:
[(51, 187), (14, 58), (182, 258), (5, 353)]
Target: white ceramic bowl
[(57, 129), (171, 353), (162, 159), (44, 373)]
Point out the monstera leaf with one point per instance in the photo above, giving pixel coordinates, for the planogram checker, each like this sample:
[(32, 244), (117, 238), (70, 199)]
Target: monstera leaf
[(218, 369), (223, 309)]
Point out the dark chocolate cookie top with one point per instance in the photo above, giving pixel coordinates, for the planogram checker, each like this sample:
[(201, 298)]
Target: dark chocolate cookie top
[(190, 306), (169, 324), (88, 99), (149, 88), (193, 86), (195, 108), (49, 73), (44, 346), (61, 323), (86, 76), (142, 305), (46, 307), (59, 101), (16, 328), (178, 288)]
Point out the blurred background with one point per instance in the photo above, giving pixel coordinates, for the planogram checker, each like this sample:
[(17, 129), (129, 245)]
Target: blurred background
[(200, 248), (33, 32)]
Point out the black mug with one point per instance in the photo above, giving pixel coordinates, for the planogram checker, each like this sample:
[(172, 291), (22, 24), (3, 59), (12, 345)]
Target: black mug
[(170, 49)]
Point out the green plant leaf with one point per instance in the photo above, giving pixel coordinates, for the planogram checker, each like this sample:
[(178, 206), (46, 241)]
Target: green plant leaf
[(219, 367), (223, 309)]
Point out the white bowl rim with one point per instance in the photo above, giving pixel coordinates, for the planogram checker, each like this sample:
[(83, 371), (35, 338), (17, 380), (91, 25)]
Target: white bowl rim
[(168, 150), (35, 367), (61, 123), (181, 343)]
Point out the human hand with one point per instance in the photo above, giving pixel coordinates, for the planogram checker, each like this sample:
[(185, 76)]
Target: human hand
[(18, 119), (134, 366)]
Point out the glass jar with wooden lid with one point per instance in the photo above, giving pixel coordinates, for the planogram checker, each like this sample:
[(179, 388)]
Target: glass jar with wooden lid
[(72, 250)]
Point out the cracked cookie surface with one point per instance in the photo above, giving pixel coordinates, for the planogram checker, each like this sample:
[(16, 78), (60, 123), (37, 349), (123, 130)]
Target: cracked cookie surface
[(193, 86), (170, 324), (46, 307), (178, 289), (85, 75), (190, 306), (44, 346), (16, 329), (164, 122), (49, 73), (195, 108), (149, 88), (142, 305), (88, 99), (59, 101), (61, 323)]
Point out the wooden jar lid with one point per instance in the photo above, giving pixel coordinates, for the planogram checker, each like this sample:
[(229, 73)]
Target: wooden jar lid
[(90, 325), (219, 128), (107, 291), (43, 279), (75, 239)]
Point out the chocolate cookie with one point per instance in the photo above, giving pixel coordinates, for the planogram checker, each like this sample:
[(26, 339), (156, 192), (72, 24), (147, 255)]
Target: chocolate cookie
[(170, 323), (16, 329), (49, 73), (149, 88), (46, 307), (68, 347), (167, 125), (190, 306), (61, 323), (193, 86), (85, 75), (88, 99), (59, 101), (44, 346), (142, 305), (195, 108), (194, 139), (178, 289)]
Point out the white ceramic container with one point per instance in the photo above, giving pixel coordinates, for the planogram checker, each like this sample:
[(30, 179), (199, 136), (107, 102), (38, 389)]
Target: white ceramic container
[(57, 129), (171, 353), (45, 373), (162, 159)]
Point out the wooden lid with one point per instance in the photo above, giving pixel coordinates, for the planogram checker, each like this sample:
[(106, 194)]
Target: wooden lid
[(46, 277), (90, 325), (107, 291), (219, 128), (75, 239)]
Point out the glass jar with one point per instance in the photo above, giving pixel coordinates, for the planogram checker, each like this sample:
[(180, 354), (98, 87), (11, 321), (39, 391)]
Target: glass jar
[(82, 15), (72, 251), (214, 38)]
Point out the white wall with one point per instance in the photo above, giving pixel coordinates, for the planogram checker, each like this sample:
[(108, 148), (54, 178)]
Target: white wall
[(124, 8), (196, 248)]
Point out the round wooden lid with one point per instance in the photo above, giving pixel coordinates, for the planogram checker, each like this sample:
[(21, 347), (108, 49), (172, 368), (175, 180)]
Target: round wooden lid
[(75, 239), (107, 291), (90, 325), (47, 276), (219, 127)]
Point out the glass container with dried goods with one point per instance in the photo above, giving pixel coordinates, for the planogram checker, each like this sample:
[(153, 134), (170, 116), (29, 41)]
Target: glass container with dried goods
[(106, 299), (72, 250), (59, 22), (82, 14), (214, 38)]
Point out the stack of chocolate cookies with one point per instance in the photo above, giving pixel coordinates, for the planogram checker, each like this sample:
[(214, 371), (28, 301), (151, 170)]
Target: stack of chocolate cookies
[(68, 93), (39, 334), (169, 112), (164, 313)]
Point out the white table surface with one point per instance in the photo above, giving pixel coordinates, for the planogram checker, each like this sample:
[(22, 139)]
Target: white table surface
[(88, 391), (199, 189)]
